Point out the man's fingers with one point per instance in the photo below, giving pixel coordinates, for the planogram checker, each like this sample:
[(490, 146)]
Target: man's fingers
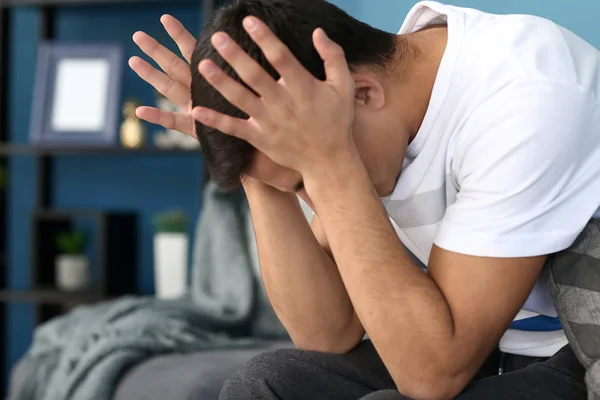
[(233, 91), (184, 39), (170, 88), (250, 71), (179, 122), (336, 67), (240, 128), (278, 54), (174, 66)]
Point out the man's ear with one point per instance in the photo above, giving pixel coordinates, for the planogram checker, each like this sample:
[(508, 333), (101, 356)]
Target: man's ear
[(368, 91)]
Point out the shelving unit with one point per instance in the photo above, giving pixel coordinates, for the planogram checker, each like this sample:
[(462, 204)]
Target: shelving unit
[(116, 236)]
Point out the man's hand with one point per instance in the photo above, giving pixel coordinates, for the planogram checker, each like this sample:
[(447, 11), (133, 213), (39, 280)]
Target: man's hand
[(174, 82), (299, 121)]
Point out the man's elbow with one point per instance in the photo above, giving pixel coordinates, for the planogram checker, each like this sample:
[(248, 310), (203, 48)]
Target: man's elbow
[(331, 342), (430, 386), (329, 347)]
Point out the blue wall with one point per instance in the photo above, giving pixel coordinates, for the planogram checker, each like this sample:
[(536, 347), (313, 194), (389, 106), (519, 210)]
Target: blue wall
[(149, 184), (579, 16)]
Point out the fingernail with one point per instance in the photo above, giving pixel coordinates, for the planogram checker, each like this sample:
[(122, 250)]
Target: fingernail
[(220, 41), (324, 36), (250, 24), (208, 69), (200, 113)]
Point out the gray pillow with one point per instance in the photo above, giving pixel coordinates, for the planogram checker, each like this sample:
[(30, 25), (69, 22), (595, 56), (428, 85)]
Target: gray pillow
[(575, 288)]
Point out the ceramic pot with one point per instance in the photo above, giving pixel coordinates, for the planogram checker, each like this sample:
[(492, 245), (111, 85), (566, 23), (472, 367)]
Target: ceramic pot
[(170, 265), (72, 273)]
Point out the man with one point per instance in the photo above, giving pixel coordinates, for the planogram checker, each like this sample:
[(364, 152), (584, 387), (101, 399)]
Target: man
[(468, 143)]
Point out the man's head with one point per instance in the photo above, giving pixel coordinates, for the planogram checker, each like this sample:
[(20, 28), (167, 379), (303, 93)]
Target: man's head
[(370, 54)]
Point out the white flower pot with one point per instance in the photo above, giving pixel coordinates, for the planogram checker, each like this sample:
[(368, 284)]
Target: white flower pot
[(72, 273), (170, 265)]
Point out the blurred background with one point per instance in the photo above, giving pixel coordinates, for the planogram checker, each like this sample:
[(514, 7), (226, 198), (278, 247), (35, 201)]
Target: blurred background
[(103, 193)]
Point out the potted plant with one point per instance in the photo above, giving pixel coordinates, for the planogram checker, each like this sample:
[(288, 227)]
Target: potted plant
[(72, 266), (170, 254)]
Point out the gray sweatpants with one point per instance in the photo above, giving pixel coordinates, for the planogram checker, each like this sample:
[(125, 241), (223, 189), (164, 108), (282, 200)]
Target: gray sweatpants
[(361, 375)]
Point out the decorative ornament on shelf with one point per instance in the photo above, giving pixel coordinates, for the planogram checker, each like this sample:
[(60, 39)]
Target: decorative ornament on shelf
[(133, 131), (171, 254), (72, 266), (171, 138)]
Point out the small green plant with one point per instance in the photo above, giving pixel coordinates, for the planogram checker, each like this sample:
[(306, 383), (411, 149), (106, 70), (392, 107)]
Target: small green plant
[(175, 221), (71, 243)]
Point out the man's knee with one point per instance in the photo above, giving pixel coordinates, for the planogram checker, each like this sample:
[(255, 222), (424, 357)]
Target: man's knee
[(264, 376), (385, 395)]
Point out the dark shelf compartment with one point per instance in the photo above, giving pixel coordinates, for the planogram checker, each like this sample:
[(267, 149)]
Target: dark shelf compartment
[(8, 150), (113, 242)]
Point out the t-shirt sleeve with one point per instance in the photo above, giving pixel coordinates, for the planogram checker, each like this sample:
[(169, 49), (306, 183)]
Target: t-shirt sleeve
[(527, 167)]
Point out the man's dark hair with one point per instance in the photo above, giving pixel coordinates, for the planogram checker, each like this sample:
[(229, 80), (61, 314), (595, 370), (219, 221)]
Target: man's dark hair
[(293, 21)]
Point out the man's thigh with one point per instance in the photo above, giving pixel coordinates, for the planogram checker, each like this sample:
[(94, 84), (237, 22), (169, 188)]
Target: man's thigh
[(299, 375), (559, 378)]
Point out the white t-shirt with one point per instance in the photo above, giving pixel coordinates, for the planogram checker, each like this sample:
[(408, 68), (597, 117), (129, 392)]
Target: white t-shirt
[(507, 160)]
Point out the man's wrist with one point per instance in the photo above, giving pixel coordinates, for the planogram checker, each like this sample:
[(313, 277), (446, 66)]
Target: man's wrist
[(249, 183), (258, 191), (339, 173)]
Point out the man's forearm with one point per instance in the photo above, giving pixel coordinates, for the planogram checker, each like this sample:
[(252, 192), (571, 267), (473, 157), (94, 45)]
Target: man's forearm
[(401, 308), (301, 280)]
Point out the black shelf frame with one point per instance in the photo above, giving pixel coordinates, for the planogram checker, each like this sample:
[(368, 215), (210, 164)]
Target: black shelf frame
[(48, 296), (16, 150), (4, 28), (208, 5), (40, 296)]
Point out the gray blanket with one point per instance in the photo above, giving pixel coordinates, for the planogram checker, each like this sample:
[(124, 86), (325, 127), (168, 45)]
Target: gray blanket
[(83, 355)]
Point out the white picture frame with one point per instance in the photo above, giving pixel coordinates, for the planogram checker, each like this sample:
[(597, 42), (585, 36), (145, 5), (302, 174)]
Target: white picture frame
[(77, 94)]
